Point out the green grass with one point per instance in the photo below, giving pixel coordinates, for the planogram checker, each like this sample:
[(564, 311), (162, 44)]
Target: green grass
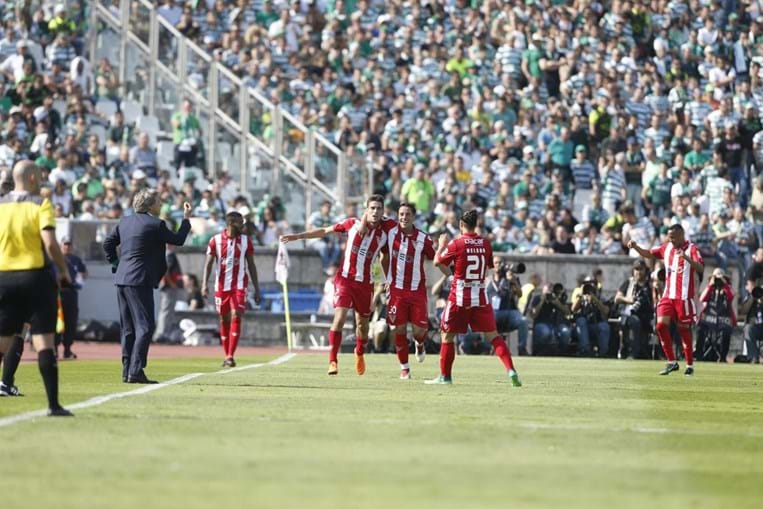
[(581, 433)]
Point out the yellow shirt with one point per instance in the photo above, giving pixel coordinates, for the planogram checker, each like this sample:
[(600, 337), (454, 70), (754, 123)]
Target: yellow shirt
[(22, 217)]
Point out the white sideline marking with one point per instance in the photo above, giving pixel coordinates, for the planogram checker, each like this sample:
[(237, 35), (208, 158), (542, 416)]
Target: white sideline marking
[(99, 400), (536, 426)]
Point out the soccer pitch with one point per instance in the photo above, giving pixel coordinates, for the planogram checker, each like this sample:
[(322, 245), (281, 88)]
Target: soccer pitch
[(580, 433)]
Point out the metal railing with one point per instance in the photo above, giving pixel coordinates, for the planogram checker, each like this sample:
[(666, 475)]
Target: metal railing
[(259, 144)]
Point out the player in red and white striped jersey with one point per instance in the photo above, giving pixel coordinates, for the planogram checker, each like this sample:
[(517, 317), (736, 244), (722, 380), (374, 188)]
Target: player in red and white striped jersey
[(233, 253), (683, 267), (353, 286), (403, 261), (468, 307)]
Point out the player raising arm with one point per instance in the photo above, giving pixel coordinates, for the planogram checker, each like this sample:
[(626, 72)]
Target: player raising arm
[(403, 261), (234, 254), (683, 265), (353, 286), (471, 256)]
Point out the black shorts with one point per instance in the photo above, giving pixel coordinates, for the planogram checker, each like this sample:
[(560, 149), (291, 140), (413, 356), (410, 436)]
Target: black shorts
[(28, 296)]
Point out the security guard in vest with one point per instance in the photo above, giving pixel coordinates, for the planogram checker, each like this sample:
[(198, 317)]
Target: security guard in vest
[(28, 287)]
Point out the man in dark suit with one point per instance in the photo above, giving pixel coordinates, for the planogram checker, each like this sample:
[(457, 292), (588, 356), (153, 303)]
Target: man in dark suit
[(143, 238)]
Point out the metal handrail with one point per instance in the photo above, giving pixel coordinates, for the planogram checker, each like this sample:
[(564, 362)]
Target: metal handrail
[(187, 52)]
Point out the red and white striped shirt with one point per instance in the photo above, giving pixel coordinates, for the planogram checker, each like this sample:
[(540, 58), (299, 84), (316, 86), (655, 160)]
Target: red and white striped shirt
[(407, 254), (360, 251), (471, 256), (679, 275), (230, 255)]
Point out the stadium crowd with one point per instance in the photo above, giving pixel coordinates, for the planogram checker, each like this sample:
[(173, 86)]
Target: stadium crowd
[(571, 124)]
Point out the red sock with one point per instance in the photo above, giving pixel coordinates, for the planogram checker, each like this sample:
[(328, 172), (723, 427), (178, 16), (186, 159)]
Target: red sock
[(503, 352), (335, 341), (688, 344), (235, 333), (420, 338), (447, 356), (663, 332), (224, 336), (360, 345), (401, 347)]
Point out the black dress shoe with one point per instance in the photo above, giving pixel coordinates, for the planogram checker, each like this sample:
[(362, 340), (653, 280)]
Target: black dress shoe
[(124, 379), (140, 379), (59, 412)]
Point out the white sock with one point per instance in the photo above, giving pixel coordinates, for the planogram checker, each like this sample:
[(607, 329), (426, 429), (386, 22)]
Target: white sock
[(405, 366)]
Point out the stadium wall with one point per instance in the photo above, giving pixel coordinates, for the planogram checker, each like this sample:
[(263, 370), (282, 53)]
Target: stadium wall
[(98, 298)]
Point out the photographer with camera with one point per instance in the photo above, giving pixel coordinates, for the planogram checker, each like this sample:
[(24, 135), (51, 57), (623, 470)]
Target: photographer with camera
[(504, 290), (752, 310), (551, 329), (637, 309), (590, 315), (717, 316)]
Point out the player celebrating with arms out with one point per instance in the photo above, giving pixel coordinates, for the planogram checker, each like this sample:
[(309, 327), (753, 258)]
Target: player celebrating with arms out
[(467, 305), (353, 287), (233, 251), (683, 263), (403, 260)]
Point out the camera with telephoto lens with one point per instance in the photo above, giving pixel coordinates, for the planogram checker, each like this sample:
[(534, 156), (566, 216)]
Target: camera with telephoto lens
[(757, 292), (516, 268), (589, 288)]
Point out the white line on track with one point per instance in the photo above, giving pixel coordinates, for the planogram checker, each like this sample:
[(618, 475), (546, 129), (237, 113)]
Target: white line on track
[(99, 400)]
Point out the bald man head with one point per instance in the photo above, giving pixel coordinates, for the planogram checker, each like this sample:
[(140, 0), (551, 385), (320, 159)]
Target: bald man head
[(26, 176)]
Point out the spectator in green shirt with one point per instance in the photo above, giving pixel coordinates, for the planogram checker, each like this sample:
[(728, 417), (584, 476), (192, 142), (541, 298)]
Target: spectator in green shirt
[(459, 63), (695, 160), (658, 192), (47, 158), (531, 58), (267, 15), (419, 190), (186, 133), (560, 149)]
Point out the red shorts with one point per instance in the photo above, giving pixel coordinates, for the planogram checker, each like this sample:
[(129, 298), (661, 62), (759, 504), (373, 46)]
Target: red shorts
[(681, 311), (407, 307), (456, 319), (353, 295), (234, 300)]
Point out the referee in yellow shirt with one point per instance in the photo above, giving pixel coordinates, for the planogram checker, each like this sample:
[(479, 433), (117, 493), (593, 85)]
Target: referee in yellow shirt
[(28, 288)]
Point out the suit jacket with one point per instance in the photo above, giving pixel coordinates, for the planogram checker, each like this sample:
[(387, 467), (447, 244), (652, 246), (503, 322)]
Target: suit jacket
[(144, 240)]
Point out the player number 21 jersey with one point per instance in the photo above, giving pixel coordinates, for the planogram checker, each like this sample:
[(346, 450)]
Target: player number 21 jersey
[(471, 256)]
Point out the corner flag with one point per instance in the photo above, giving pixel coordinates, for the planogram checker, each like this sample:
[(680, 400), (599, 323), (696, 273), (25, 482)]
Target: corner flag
[(282, 276)]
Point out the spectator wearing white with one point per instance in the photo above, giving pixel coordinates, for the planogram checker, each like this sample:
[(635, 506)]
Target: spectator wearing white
[(286, 27), (62, 171), (62, 197), (81, 73), (8, 45), (60, 52), (722, 117), (714, 188), (639, 230), (171, 12), (13, 66), (8, 151), (143, 157), (327, 247), (583, 172), (613, 182)]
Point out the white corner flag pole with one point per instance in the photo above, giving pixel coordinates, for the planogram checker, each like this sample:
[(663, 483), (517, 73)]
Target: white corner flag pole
[(282, 275)]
